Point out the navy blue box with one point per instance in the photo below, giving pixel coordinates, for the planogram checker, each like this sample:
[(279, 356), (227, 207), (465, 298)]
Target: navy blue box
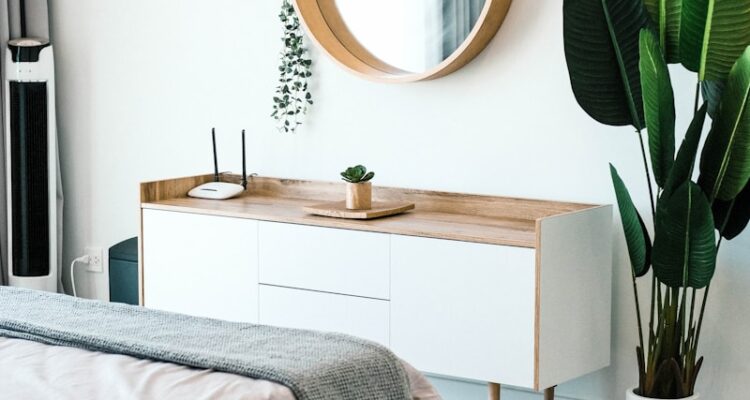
[(123, 272)]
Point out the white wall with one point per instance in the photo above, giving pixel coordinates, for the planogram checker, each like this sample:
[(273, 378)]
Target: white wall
[(142, 81)]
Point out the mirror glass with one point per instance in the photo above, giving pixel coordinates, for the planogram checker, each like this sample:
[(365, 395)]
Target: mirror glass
[(404, 36)]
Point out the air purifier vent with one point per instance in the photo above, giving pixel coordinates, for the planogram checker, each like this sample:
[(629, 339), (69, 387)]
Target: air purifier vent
[(33, 191), (29, 179)]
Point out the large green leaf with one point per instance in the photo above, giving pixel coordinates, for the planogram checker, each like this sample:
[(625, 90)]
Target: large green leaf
[(601, 48), (731, 217), (658, 104), (725, 163), (684, 244), (636, 235), (682, 170), (713, 33), (712, 91), (667, 15)]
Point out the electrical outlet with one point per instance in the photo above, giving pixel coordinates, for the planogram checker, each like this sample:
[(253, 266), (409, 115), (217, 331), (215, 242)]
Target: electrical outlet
[(96, 259)]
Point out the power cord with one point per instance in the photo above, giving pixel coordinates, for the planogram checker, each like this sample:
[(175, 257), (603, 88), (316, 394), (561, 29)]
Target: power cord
[(84, 259)]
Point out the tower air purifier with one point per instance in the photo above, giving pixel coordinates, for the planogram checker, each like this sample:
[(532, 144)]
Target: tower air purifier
[(31, 164)]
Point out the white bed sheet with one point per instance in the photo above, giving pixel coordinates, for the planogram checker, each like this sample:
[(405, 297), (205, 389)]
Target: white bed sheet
[(34, 371)]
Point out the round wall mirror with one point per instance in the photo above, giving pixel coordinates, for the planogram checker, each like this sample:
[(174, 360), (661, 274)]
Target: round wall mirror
[(402, 40)]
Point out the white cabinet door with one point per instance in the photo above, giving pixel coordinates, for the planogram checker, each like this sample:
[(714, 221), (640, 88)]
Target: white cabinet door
[(304, 309), (324, 259), (464, 309), (201, 265)]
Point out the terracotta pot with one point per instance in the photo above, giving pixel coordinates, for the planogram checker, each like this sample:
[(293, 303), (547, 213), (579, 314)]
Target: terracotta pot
[(359, 196), (630, 395)]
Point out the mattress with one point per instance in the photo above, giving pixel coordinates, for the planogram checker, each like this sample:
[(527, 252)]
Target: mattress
[(35, 371)]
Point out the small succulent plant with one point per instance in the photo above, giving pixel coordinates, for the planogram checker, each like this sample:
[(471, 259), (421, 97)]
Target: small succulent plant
[(357, 174)]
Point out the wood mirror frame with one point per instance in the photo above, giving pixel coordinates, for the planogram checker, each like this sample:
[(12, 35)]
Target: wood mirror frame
[(323, 23)]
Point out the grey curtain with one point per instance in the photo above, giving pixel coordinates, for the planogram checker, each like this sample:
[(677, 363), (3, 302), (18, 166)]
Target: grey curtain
[(459, 18), (37, 25)]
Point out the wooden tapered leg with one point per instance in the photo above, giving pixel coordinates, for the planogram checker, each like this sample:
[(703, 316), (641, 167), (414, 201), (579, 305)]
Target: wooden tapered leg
[(494, 391), (549, 394)]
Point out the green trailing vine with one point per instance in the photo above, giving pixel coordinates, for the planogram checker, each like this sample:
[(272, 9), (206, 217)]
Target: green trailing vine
[(293, 96)]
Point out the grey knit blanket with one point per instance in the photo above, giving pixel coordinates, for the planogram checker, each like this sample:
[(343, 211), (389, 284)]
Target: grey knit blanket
[(314, 365)]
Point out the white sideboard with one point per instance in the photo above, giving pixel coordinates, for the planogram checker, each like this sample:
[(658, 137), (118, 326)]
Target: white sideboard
[(486, 288)]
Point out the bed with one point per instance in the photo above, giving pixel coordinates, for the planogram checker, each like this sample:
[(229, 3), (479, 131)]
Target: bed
[(54, 346), (35, 371)]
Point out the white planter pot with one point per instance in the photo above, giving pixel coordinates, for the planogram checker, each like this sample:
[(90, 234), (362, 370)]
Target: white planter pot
[(632, 396)]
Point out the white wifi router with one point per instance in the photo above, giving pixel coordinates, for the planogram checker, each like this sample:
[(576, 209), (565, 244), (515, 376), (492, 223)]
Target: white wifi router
[(216, 191), (221, 190)]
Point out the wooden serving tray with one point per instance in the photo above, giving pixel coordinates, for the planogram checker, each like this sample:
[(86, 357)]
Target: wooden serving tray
[(338, 209)]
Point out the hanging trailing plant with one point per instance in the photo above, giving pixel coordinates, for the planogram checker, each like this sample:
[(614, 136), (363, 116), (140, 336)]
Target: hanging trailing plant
[(293, 96)]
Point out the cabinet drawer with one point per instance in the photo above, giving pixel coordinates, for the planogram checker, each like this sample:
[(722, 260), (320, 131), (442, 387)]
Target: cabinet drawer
[(324, 259), (200, 265), (304, 309)]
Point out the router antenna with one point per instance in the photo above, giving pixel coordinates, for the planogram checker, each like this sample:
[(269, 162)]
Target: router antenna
[(244, 164), (216, 159)]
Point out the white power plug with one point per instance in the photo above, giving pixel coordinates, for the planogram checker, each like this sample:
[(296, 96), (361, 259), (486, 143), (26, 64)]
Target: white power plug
[(94, 260)]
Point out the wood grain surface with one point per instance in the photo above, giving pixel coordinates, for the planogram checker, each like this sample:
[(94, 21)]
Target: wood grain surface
[(441, 215)]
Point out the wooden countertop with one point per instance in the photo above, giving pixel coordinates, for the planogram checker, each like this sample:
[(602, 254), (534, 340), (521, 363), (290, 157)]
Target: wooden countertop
[(441, 215)]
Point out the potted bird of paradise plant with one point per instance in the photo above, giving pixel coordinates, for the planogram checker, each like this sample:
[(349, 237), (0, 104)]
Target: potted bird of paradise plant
[(618, 53)]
